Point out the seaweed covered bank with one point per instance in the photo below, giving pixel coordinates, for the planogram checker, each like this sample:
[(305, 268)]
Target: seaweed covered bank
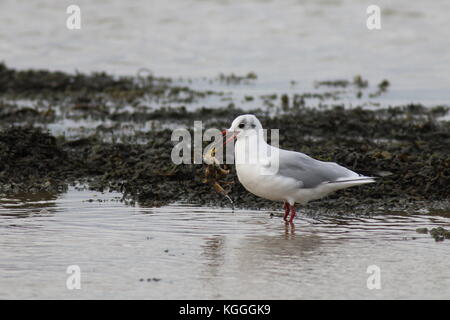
[(114, 133)]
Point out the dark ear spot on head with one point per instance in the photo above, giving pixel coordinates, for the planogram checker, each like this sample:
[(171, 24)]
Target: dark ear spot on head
[(253, 125)]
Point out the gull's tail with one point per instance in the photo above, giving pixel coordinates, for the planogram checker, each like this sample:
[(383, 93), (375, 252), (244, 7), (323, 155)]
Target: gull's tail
[(349, 182)]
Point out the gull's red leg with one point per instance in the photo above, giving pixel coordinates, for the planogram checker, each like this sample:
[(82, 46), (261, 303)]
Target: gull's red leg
[(286, 210), (293, 213)]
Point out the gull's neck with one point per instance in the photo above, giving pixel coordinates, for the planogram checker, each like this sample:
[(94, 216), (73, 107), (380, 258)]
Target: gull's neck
[(253, 148)]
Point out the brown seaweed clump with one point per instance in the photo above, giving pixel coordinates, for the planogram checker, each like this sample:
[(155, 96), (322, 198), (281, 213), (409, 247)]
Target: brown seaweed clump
[(439, 234)]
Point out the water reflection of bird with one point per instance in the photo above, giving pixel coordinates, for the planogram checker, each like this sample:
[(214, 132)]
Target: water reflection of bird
[(289, 231), (283, 175), (274, 250), (213, 251)]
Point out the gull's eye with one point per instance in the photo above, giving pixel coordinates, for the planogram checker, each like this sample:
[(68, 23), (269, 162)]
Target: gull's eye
[(241, 125)]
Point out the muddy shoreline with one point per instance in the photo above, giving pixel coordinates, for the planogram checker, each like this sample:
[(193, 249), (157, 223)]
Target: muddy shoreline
[(407, 146)]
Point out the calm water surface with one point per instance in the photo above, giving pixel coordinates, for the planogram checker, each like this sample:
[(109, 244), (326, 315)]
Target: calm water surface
[(203, 253), (301, 40)]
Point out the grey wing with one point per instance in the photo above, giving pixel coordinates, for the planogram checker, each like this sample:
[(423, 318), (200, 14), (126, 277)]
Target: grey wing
[(310, 172)]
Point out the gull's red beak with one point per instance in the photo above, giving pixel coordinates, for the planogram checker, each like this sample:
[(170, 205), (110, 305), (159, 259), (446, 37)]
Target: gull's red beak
[(224, 133)]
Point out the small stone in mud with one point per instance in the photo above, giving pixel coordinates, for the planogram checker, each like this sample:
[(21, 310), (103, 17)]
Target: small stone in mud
[(439, 234), (383, 85), (422, 230), (167, 250)]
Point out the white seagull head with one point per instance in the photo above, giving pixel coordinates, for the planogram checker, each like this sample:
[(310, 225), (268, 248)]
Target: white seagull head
[(245, 125)]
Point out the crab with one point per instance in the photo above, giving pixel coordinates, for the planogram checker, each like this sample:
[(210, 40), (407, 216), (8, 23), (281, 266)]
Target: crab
[(215, 173)]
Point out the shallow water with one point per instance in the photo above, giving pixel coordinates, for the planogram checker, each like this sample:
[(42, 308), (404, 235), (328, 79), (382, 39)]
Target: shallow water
[(201, 253), (301, 40)]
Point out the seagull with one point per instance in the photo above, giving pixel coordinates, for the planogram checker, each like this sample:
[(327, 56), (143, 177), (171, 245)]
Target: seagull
[(281, 175)]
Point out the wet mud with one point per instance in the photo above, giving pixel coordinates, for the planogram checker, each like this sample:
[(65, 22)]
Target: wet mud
[(128, 146)]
